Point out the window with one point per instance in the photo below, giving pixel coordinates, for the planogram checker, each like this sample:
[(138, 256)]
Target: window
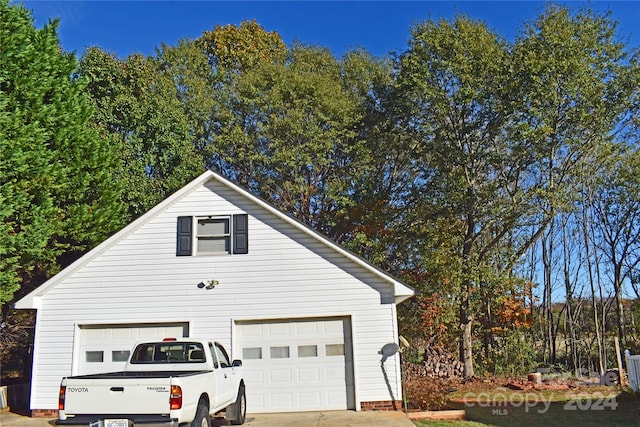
[(307, 351), (279, 352), (334, 349), (94, 356), (213, 356), (212, 235), (222, 356), (120, 355), (252, 353), (180, 352)]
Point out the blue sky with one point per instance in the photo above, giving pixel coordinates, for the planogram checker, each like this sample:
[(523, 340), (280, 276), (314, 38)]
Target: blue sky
[(126, 27)]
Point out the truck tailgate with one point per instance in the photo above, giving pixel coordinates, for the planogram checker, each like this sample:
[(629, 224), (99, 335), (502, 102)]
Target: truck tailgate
[(117, 396)]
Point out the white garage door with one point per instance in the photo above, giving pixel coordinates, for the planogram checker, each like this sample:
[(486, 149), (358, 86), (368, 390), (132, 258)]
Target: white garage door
[(105, 348), (297, 365)]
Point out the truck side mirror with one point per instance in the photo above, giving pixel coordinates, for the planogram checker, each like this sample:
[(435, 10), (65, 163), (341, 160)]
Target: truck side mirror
[(236, 363)]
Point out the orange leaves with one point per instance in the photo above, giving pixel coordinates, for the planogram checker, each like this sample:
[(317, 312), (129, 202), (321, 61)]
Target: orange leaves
[(432, 313), (511, 313)]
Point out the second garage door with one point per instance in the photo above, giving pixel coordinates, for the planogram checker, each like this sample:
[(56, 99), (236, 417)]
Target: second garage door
[(105, 348), (297, 365)]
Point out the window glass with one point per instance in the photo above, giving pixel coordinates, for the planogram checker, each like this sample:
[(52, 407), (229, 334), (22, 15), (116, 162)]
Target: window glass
[(95, 356), (279, 352), (179, 352), (213, 244), (214, 355), (307, 351), (223, 357), (213, 227), (196, 355), (213, 235), (334, 349), (252, 353), (120, 355)]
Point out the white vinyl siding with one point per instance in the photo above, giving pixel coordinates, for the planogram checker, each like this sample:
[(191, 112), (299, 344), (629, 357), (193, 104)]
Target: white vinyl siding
[(286, 274)]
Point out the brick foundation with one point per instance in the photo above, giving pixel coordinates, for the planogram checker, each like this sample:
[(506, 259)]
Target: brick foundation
[(382, 405), (44, 413)]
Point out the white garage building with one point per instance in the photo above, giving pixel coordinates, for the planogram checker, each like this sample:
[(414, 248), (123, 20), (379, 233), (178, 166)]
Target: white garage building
[(307, 317)]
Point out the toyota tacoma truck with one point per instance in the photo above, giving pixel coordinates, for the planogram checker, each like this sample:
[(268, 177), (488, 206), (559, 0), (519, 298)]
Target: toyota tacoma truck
[(169, 383)]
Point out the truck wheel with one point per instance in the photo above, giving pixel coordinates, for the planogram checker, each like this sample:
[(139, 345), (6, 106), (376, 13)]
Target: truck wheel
[(202, 416), (240, 408)]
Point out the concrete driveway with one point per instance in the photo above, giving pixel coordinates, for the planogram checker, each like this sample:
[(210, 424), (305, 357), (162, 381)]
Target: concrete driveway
[(292, 419), (330, 419)]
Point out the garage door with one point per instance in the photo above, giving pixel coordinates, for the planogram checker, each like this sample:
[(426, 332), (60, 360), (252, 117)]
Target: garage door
[(105, 348), (297, 365)]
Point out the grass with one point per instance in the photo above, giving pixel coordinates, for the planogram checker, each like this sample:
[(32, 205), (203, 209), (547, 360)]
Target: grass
[(596, 407)]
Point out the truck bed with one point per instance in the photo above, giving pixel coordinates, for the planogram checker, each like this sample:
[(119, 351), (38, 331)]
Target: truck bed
[(138, 374)]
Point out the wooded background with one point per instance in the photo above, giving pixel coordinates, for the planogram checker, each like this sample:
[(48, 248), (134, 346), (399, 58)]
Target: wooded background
[(500, 179)]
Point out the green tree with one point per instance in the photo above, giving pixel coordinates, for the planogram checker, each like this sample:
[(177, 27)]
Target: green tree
[(474, 184), (58, 194), (503, 133), (227, 125), (375, 225), (289, 123), (140, 109), (305, 132)]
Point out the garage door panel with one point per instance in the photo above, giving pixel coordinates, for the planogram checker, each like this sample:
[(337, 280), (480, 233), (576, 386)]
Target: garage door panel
[(334, 398), (122, 334), (250, 330), (308, 375), (334, 327), (93, 335), (281, 400), (310, 399), (279, 330), (335, 375), (307, 328), (279, 377), (307, 360)]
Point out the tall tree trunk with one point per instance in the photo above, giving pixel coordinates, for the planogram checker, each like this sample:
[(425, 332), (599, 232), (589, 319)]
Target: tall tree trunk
[(547, 255), (604, 305), (466, 342), (594, 303), (466, 316), (617, 283), (569, 300)]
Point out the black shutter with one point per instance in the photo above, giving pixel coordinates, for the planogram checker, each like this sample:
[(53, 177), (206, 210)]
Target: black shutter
[(240, 234), (183, 242)]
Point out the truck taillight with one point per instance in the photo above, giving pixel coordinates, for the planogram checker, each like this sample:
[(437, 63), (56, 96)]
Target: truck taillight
[(61, 396), (175, 400)]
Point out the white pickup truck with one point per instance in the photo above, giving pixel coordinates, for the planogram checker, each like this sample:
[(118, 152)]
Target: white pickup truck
[(168, 383)]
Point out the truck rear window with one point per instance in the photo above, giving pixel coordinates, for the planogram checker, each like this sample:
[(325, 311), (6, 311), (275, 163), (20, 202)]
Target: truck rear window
[(168, 352)]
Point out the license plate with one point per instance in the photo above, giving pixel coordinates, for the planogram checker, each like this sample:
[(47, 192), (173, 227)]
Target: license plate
[(123, 422)]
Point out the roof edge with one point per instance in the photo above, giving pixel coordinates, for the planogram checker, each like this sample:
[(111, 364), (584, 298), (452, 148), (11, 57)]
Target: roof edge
[(32, 300)]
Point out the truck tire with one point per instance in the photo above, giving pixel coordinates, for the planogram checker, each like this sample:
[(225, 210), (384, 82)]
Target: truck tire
[(239, 408), (202, 416)]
